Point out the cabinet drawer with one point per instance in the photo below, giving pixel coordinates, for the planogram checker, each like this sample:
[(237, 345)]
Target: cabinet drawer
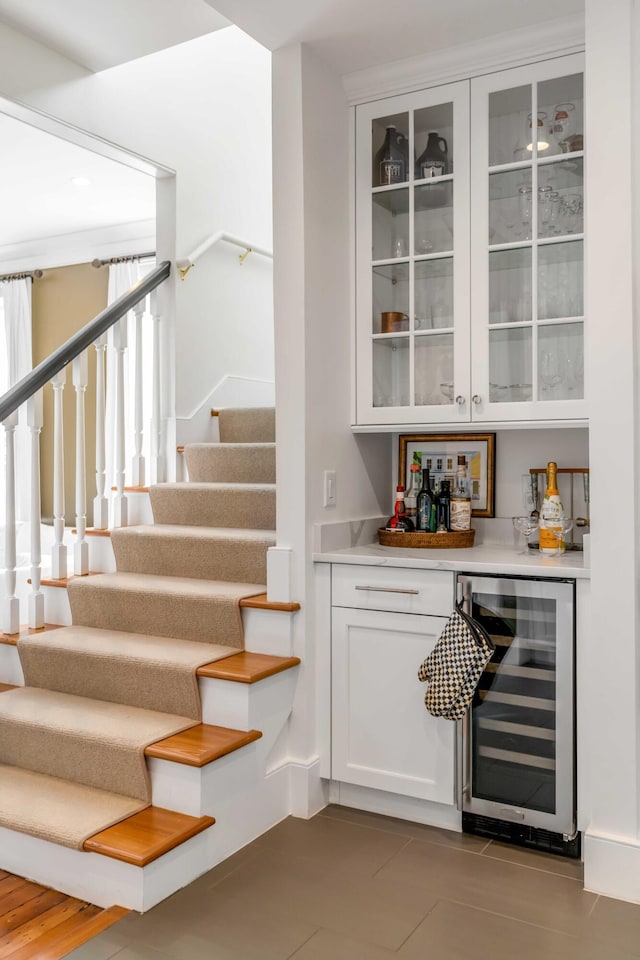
[(397, 589)]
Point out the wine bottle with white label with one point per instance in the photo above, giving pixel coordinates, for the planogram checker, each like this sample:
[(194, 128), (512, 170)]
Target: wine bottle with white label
[(551, 515)]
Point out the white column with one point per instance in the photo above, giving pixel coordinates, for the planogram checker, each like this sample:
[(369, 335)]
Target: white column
[(59, 550), (10, 604), (120, 501), (36, 596), (137, 463), (100, 501), (80, 373), (157, 453)]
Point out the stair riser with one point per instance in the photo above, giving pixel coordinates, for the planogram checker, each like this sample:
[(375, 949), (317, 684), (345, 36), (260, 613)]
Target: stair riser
[(261, 706), (200, 559), (223, 466), (239, 508), (10, 667), (105, 881)]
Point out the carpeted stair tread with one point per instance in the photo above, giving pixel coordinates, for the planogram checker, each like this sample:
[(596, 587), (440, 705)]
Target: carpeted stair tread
[(147, 835), (250, 505), (187, 609), (57, 810), (202, 553), (247, 424), (248, 667), (231, 462), (201, 745), (151, 672), (88, 741)]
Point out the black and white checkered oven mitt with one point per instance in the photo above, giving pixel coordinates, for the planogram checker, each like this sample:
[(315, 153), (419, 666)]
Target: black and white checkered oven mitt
[(455, 665)]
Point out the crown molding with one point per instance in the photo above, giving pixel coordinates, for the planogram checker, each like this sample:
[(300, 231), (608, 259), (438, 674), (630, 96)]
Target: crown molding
[(543, 41)]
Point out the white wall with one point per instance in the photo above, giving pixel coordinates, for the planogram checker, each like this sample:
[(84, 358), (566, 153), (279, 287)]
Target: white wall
[(312, 282), (202, 109)]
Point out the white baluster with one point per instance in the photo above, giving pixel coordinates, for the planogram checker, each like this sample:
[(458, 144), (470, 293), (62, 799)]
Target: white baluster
[(120, 501), (36, 597), (80, 372), (59, 550), (157, 467), (137, 463), (100, 501), (11, 604)]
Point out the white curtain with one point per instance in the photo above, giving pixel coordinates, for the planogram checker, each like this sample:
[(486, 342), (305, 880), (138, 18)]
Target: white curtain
[(122, 276), (15, 363)]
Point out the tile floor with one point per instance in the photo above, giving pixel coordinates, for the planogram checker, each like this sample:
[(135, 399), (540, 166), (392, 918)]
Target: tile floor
[(349, 885)]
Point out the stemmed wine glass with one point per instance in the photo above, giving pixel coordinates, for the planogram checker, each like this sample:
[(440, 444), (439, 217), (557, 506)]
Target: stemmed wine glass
[(559, 528), (525, 527)]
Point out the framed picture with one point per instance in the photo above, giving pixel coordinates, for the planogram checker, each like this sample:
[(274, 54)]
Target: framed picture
[(441, 451)]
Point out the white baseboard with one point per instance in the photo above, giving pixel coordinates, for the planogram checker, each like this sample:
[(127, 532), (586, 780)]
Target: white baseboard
[(395, 805), (612, 866), (309, 794)]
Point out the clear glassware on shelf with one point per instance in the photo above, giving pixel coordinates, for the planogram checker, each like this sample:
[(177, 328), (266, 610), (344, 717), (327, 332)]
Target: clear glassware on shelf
[(561, 126), (559, 529), (524, 203), (542, 134), (551, 372), (446, 389), (525, 527)]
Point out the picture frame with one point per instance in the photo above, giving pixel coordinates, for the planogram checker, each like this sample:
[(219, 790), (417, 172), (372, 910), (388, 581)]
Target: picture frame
[(442, 450)]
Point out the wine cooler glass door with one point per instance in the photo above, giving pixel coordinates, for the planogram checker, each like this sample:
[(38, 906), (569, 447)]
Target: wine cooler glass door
[(519, 750)]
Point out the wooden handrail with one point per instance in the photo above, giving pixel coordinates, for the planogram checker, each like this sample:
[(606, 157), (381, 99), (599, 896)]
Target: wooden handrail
[(74, 346)]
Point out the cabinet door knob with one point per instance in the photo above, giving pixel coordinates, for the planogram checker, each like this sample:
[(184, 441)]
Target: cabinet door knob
[(476, 399), (460, 400)]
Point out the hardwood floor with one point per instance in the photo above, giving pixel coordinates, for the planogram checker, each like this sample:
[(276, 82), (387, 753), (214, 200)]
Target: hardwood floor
[(36, 922)]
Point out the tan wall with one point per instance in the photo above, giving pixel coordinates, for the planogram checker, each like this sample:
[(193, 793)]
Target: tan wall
[(64, 300)]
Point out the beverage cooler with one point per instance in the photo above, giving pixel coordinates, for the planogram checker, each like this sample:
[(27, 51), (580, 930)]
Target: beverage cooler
[(516, 744)]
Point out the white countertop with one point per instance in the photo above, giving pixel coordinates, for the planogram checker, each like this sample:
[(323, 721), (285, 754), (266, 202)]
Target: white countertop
[(484, 558)]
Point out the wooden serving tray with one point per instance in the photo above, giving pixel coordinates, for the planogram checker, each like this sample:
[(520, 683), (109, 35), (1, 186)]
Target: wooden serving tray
[(457, 538)]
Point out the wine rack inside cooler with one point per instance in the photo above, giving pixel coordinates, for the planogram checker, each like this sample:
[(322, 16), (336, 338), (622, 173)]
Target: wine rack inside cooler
[(520, 731)]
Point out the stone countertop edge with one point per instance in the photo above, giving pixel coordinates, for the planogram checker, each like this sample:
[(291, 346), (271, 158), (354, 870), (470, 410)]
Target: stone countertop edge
[(484, 558)]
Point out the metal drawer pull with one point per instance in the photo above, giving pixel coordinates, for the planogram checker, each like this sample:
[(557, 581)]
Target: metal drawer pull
[(389, 590)]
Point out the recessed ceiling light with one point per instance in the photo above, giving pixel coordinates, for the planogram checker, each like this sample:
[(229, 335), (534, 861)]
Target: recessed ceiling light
[(81, 181)]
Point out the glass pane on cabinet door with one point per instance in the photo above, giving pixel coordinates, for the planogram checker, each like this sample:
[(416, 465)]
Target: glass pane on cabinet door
[(560, 280), (510, 364), (390, 150), (510, 285), (561, 361), (510, 206), (433, 294), (390, 298), (433, 140), (510, 125), (561, 99), (434, 217), (560, 198), (391, 372), (513, 719), (434, 370), (390, 223)]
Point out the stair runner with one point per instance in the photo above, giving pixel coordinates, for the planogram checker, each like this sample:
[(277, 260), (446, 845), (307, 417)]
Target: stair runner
[(123, 676)]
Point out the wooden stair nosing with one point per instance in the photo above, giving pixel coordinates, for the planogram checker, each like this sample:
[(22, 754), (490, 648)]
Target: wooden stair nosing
[(202, 744), (94, 532), (63, 581), (147, 835), (11, 639), (260, 602), (247, 667), (7, 686), (140, 489)]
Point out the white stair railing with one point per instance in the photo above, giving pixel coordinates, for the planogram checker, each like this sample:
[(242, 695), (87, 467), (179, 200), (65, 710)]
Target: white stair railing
[(81, 547), (120, 500), (157, 466), (137, 464), (28, 392), (100, 501), (11, 606), (36, 598), (59, 549)]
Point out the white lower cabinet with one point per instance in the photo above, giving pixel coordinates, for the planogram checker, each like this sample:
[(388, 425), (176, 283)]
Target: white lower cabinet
[(382, 735)]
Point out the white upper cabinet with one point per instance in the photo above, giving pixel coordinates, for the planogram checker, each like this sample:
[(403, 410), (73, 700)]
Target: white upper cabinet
[(469, 250)]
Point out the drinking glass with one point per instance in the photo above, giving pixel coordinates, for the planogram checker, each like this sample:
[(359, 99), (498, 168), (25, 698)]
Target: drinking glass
[(524, 203), (525, 527), (550, 370), (559, 529), (561, 127), (544, 210), (446, 389)]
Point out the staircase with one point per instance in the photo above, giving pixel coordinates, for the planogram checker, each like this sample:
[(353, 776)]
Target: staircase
[(143, 739)]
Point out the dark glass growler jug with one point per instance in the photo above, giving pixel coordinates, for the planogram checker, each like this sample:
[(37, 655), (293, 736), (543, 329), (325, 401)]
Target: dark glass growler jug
[(434, 159), (390, 160)]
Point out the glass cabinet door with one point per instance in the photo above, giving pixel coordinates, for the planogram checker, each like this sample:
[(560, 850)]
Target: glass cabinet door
[(412, 242), (528, 242)]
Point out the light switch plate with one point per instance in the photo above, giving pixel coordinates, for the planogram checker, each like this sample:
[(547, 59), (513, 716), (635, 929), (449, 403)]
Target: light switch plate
[(329, 488)]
